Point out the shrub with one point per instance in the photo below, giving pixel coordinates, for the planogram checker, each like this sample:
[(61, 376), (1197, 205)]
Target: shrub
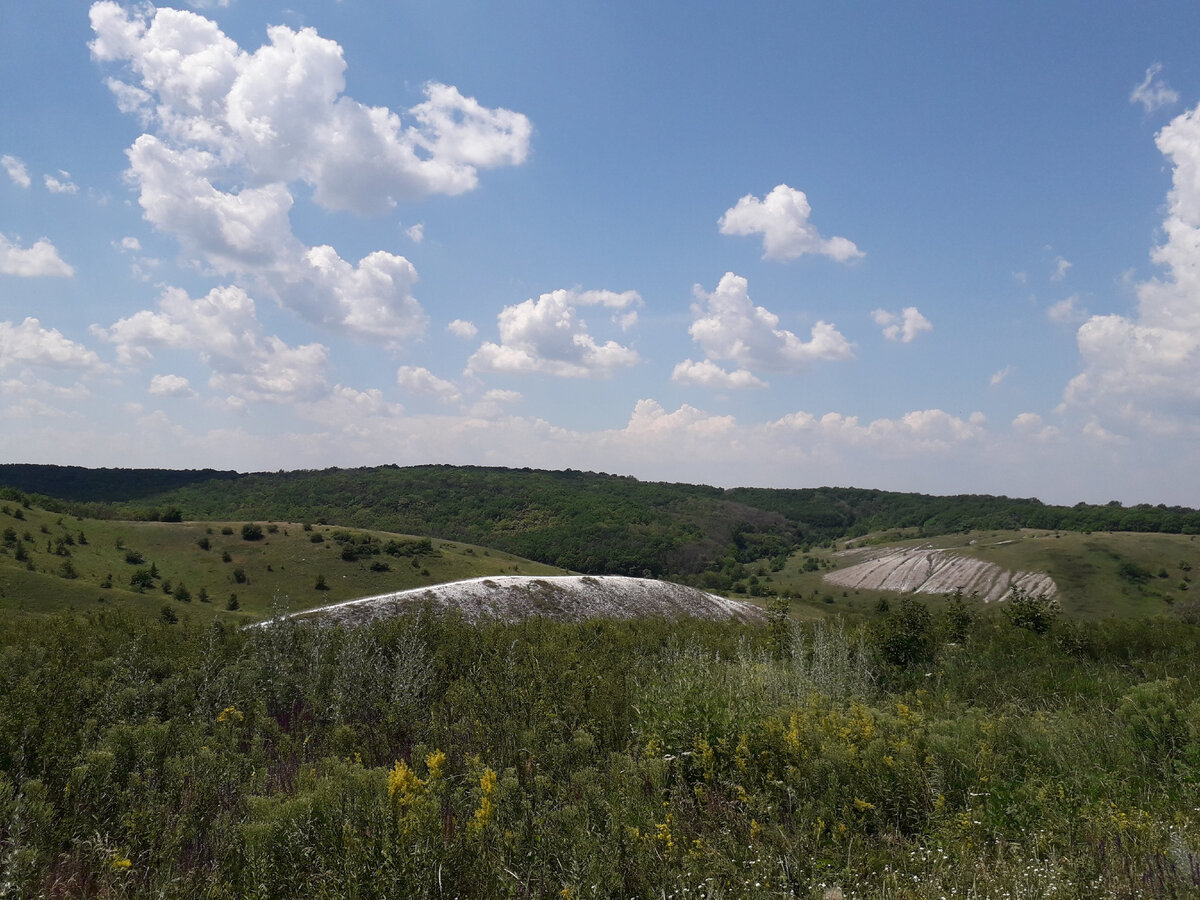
[(1033, 612), (252, 531), (906, 635)]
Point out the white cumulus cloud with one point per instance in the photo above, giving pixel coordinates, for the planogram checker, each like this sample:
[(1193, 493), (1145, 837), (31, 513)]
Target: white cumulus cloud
[(463, 329), (31, 344), (231, 130), (707, 373), (39, 261), (547, 336), (222, 328), (782, 218), (419, 380), (728, 326), (1143, 371), (171, 386), (903, 326), (60, 184), (15, 169)]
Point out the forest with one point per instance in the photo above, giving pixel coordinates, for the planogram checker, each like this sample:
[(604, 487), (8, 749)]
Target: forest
[(583, 521)]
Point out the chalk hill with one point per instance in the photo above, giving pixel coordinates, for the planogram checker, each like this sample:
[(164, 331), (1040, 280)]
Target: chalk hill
[(568, 598)]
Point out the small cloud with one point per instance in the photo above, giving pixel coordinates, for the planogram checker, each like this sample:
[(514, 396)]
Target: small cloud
[(708, 374), (1153, 93), (1067, 311), (171, 386), (416, 233), (39, 261), (493, 402), (782, 218), (61, 185), (463, 329), (1000, 376), (1061, 266), (547, 336), (903, 327), (1020, 277), (1030, 424), (419, 380), (16, 170), (132, 244), (728, 326), (625, 320)]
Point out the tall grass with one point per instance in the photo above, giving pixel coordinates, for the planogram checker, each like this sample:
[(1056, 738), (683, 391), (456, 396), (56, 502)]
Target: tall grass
[(424, 757)]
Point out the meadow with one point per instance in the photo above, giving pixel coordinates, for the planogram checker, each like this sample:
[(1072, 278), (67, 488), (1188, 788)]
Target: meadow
[(915, 755)]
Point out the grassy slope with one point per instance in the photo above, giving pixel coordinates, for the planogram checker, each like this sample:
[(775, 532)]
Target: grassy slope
[(286, 563), (1086, 567)]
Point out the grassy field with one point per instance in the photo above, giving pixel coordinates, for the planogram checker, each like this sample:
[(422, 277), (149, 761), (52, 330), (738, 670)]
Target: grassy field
[(68, 562), (1098, 575)]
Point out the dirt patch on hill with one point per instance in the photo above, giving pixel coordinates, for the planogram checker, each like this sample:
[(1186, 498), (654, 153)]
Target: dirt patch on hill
[(929, 570), (568, 598)]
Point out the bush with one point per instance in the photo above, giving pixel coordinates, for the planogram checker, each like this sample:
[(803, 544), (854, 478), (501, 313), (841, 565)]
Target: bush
[(252, 531), (906, 635), (1035, 613)]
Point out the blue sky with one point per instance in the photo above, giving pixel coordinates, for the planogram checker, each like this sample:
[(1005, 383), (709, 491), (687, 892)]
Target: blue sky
[(946, 248)]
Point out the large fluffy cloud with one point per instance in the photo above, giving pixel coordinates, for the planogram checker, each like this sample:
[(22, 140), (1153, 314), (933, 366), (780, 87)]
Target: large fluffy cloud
[(31, 344), (1144, 371), (222, 328), (782, 218), (728, 326), (40, 260), (230, 131), (547, 336)]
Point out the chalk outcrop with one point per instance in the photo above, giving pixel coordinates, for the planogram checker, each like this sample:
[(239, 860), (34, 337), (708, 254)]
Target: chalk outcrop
[(928, 570), (567, 598)]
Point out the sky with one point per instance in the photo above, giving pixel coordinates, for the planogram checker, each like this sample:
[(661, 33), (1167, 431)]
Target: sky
[(937, 247)]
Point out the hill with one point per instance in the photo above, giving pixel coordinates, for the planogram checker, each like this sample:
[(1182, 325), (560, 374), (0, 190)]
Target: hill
[(582, 521), (50, 561), (565, 598)]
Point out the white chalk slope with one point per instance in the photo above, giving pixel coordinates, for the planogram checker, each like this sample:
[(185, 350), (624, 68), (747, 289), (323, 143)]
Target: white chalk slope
[(568, 598), (929, 570)]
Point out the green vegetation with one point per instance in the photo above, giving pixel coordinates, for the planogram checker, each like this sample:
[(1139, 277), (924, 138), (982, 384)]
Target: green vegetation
[(919, 755), (51, 561), (582, 521)]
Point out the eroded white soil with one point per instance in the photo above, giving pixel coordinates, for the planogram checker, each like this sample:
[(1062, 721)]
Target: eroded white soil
[(929, 570), (568, 598)]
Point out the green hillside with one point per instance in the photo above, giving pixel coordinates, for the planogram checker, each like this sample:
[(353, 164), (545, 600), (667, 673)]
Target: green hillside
[(51, 561), (584, 521), (1098, 575)]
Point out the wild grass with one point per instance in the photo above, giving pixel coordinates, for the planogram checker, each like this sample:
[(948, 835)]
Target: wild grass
[(423, 757)]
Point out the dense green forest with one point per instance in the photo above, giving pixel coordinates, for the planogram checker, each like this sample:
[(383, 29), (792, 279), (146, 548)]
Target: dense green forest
[(582, 521), (919, 755)]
